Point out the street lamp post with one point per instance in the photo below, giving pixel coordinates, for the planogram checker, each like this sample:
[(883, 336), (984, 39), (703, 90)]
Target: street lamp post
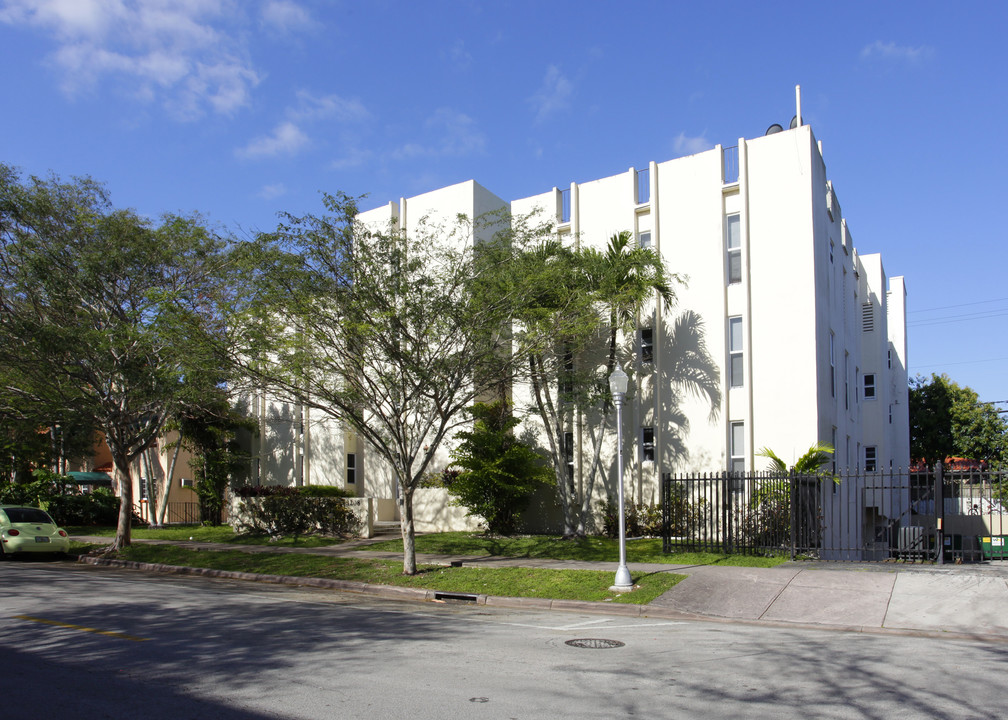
[(618, 387)]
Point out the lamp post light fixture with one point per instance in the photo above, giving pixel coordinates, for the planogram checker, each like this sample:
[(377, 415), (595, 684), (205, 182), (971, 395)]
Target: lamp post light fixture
[(618, 387)]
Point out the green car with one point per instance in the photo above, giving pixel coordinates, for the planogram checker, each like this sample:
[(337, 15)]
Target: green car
[(30, 530)]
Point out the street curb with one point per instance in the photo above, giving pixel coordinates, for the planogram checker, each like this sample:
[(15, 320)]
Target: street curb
[(392, 592)]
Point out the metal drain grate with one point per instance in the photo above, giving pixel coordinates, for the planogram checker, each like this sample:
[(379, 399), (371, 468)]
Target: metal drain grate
[(594, 643)]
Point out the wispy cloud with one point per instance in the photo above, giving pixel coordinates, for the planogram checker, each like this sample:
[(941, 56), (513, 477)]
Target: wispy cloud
[(892, 51), (286, 139), (312, 107), (457, 55), (271, 192), (286, 16), (683, 144), (553, 96), (447, 133), (183, 54)]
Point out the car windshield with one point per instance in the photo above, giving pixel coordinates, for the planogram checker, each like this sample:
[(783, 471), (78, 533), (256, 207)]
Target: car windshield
[(27, 515)]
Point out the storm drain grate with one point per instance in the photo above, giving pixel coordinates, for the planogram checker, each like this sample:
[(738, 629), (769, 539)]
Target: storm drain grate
[(594, 643)]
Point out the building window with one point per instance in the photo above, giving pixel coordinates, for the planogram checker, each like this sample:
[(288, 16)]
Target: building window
[(847, 381), (643, 186), (567, 375), (647, 444), (737, 450), (351, 468), (565, 206), (733, 231), (832, 365), (831, 251), (144, 489), (569, 458), (644, 240), (735, 365), (869, 458), (869, 386), (647, 344)]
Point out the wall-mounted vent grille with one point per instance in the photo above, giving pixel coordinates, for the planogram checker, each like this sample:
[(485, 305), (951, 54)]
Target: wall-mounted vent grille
[(867, 317)]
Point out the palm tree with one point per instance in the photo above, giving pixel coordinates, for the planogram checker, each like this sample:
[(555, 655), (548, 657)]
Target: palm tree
[(813, 462)]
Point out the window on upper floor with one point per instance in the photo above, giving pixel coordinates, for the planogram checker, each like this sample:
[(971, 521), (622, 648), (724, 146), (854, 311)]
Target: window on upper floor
[(869, 386), (647, 444), (736, 367), (647, 344), (644, 239), (870, 461), (832, 365), (733, 244), (643, 186), (565, 205), (351, 468)]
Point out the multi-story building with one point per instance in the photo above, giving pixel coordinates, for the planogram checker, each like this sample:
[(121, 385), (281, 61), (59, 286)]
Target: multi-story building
[(809, 336)]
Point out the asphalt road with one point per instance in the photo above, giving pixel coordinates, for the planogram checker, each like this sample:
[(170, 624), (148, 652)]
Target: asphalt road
[(85, 642)]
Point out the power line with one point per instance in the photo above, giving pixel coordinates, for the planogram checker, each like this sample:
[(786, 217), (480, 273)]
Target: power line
[(949, 307)]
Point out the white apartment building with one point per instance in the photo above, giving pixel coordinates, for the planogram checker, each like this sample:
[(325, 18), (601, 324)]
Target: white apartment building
[(809, 336)]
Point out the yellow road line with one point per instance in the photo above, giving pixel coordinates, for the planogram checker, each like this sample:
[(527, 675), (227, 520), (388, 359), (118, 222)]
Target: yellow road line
[(57, 623)]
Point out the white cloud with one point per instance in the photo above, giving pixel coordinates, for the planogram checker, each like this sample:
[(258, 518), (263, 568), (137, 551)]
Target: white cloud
[(285, 16), (449, 133), (310, 107), (553, 95), (457, 55), (892, 51), (286, 139), (685, 145), (270, 192), (183, 53), (355, 157)]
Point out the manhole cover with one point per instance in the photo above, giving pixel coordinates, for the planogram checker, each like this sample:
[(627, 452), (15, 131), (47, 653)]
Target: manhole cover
[(594, 643)]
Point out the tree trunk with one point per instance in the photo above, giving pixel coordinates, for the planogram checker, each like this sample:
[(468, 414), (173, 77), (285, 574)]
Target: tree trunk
[(170, 476), (408, 533), (122, 538)]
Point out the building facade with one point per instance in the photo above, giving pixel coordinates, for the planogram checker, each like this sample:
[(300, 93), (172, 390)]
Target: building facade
[(808, 335)]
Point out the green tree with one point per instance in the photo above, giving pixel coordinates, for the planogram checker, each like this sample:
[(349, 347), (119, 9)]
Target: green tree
[(815, 461), (393, 333), (499, 472), (100, 309), (578, 304), (949, 420)]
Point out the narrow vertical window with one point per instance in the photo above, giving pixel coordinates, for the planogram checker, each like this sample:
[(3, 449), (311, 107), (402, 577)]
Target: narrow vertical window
[(569, 458), (644, 240), (736, 366), (565, 206), (647, 344), (737, 449), (846, 381), (643, 186), (832, 365), (647, 444), (351, 468), (870, 458), (733, 241)]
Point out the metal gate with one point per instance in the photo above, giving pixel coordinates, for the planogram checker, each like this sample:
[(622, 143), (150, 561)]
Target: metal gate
[(929, 515)]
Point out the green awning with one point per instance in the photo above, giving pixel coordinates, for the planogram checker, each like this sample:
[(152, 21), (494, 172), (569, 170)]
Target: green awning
[(91, 478)]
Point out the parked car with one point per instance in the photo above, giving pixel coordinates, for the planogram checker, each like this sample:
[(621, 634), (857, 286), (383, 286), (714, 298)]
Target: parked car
[(30, 530)]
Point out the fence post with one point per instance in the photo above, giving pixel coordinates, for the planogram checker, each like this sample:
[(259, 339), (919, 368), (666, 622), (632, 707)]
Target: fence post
[(666, 483), (725, 512), (793, 501), (939, 500)]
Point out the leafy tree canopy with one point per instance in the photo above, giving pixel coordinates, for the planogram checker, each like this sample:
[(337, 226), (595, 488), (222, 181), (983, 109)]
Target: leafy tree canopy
[(949, 420)]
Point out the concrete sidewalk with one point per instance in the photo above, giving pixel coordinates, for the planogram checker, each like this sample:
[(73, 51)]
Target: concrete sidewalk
[(952, 600)]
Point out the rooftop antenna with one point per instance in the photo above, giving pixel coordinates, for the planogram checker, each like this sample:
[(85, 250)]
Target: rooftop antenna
[(797, 96)]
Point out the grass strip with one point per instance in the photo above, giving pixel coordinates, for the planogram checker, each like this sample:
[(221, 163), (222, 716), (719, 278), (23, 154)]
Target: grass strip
[(644, 550), (207, 533), (587, 585)]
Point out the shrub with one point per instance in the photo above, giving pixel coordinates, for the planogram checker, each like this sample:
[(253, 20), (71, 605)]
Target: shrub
[(286, 511)]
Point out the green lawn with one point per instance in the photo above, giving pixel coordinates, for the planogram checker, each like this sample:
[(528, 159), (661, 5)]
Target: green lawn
[(207, 533), (646, 550), (589, 585)]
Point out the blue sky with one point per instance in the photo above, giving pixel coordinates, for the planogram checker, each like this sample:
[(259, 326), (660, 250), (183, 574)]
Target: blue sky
[(239, 110)]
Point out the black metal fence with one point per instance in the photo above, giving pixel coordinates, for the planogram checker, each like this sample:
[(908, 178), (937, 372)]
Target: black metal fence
[(929, 515)]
